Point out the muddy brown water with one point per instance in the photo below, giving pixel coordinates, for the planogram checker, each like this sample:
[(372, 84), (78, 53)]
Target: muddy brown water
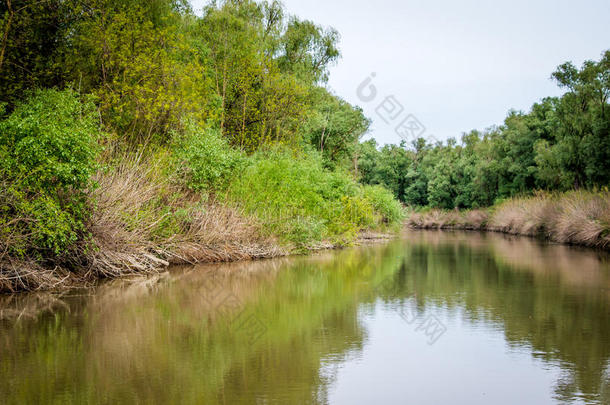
[(429, 318)]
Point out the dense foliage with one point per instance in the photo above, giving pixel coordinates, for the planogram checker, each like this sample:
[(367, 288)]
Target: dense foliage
[(298, 198), (560, 144), (248, 68), (203, 160), (228, 107), (48, 150)]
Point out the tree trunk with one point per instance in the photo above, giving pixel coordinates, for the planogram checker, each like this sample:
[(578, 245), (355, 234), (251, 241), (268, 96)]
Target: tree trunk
[(7, 29)]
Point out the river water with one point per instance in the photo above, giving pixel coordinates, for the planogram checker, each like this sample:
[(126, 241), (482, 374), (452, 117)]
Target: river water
[(429, 318)]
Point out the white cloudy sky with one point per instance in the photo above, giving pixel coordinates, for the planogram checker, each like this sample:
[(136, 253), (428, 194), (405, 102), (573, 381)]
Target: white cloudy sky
[(456, 65)]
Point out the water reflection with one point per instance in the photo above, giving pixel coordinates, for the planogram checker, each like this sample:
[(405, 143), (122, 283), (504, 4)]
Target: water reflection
[(316, 329)]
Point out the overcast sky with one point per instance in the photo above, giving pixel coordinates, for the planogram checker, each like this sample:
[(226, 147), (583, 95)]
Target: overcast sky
[(455, 65)]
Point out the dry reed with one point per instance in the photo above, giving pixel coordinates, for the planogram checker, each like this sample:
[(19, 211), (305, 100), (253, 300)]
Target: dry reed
[(136, 226), (141, 223), (576, 217)]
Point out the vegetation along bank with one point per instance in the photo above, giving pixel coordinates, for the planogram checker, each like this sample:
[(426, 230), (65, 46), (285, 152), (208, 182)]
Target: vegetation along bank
[(137, 134)]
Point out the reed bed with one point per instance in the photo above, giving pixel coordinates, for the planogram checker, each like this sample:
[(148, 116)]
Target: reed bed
[(141, 223), (576, 217)]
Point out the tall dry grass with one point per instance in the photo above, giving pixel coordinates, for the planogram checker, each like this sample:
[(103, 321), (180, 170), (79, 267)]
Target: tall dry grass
[(17, 274), (576, 217), (141, 223), (529, 216), (439, 219)]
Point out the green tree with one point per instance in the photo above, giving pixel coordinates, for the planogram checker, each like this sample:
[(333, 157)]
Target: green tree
[(307, 50), (334, 127)]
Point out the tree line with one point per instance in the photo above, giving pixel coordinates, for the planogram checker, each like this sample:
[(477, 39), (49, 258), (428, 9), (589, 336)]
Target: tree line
[(248, 68), (562, 143)]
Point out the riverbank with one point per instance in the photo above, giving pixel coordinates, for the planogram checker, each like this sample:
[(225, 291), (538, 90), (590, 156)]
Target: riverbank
[(145, 214), (113, 259), (577, 217)]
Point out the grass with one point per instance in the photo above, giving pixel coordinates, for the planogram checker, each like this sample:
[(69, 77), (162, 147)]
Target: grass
[(576, 217), (144, 221)]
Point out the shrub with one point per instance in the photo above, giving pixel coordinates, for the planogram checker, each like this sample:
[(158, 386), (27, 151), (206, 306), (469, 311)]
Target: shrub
[(354, 214), (299, 200), (385, 204), (48, 150), (291, 196), (203, 159)]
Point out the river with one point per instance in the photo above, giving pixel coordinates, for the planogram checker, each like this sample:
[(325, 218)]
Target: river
[(428, 318)]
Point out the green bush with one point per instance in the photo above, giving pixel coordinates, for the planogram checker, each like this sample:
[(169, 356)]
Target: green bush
[(48, 150), (299, 200), (203, 159), (286, 194), (354, 214), (385, 204)]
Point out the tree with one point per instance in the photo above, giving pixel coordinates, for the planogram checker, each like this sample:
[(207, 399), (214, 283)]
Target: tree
[(582, 143), (334, 127), (307, 50)]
